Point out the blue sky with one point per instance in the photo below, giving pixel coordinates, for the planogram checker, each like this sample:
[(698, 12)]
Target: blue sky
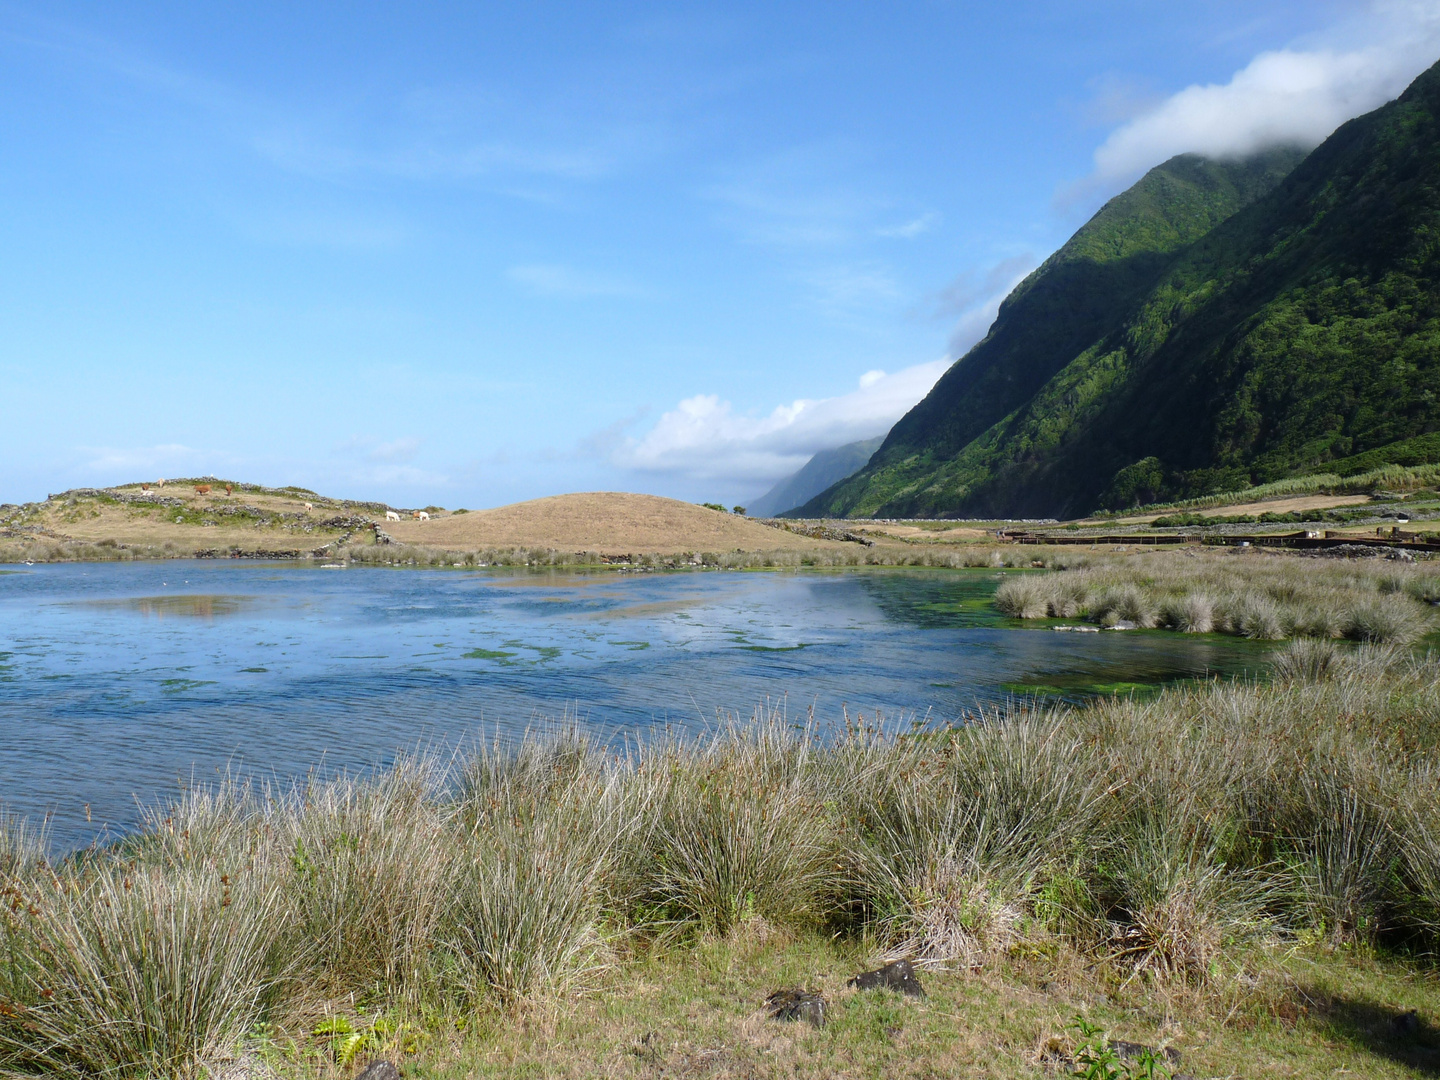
[(469, 254)]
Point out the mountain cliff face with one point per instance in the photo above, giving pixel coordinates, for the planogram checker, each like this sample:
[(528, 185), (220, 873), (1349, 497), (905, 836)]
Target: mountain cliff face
[(825, 468), (1219, 324)]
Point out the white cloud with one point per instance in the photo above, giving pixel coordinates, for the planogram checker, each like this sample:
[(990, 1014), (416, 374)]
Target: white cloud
[(298, 150), (843, 289), (554, 280), (704, 438), (973, 299), (911, 229), (791, 200), (407, 476), (139, 459), (403, 449), (1294, 95)]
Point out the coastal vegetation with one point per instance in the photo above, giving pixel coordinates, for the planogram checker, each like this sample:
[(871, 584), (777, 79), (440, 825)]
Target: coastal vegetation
[(1390, 478), (1245, 594), (1240, 870)]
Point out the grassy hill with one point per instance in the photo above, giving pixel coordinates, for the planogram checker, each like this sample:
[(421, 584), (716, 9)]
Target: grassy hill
[(200, 517), (1220, 324)]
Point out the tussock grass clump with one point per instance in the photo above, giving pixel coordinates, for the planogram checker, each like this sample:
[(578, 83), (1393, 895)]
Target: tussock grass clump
[(738, 829), (122, 968), (1308, 660), (1256, 597), (1024, 598), (365, 864), (953, 846)]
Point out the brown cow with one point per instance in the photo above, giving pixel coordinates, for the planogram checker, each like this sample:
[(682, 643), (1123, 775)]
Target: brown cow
[(202, 489), (229, 490)]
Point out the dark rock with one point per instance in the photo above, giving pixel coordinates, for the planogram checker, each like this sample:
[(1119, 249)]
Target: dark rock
[(379, 1070), (1406, 1025), (899, 976), (797, 1005), (816, 532)]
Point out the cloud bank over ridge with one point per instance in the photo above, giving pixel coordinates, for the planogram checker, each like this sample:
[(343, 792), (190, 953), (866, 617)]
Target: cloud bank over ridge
[(1294, 95), (703, 438)]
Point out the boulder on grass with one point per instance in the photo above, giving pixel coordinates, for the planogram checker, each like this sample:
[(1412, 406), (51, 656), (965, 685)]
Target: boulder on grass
[(900, 975)]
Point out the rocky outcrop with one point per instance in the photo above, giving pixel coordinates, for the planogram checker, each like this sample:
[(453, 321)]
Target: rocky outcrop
[(817, 532), (792, 1005), (900, 976)]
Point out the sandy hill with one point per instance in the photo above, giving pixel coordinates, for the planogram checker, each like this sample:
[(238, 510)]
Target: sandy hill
[(608, 522)]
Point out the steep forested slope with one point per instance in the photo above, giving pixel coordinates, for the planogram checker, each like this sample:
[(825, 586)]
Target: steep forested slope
[(1290, 327)]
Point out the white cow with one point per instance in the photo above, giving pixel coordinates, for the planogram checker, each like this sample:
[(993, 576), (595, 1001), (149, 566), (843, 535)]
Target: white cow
[(309, 506), (421, 515), (391, 515), (162, 482)]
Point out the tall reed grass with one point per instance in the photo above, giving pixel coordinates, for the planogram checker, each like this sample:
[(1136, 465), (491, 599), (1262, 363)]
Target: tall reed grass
[(970, 555), (1166, 837)]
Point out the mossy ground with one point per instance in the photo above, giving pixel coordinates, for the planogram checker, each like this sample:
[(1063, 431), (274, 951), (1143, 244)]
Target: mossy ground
[(696, 1011)]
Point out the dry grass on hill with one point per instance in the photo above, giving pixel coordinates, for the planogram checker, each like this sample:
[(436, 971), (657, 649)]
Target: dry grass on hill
[(608, 522), (177, 521)]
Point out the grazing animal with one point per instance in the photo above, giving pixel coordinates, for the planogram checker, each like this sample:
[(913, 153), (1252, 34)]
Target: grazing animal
[(161, 482), (309, 506), (144, 489), (391, 515), (421, 515), (202, 489), (229, 490)]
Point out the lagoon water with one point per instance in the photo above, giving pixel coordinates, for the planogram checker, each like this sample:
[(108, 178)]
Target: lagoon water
[(118, 681)]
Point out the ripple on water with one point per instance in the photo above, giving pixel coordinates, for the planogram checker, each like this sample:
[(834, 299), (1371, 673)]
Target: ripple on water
[(115, 680)]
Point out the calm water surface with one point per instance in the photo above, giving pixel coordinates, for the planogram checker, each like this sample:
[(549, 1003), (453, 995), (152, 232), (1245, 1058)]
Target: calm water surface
[(118, 680)]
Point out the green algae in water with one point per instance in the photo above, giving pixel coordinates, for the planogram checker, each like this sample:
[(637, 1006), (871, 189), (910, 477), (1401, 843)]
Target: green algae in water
[(488, 654), (179, 686), (633, 646), (543, 653), (1080, 687), (774, 648), (255, 670)]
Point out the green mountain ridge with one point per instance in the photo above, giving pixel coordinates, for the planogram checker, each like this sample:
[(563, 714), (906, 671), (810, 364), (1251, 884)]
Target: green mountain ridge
[(823, 469), (1220, 323)]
